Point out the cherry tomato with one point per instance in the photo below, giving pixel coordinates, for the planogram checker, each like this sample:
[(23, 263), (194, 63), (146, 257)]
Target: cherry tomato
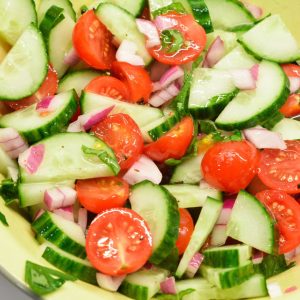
[(108, 86), (93, 42), (136, 79), (291, 107), (280, 169), (118, 242), (123, 135), (192, 34), (230, 166), (48, 88), (174, 143), (256, 186), (99, 194), (291, 70), (145, 13), (286, 211), (186, 228)]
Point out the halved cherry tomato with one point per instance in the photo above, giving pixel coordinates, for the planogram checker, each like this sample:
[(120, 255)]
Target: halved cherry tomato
[(118, 242), (186, 228), (99, 194), (193, 35), (230, 166), (145, 13), (174, 143), (286, 211), (108, 86), (93, 42), (123, 135), (280, 169), (136, 79), (291, 107), (291, 70), (48, 88)]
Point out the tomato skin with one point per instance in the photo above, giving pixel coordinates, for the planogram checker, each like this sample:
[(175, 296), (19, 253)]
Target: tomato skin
[(286, 210), (230, 166), (291, 70), (172, 144), (280, 169), (291, 107), (136, 78), (193, 34), (123, 135), (93, 42), (186, 228), (99, 194), (118, 242)]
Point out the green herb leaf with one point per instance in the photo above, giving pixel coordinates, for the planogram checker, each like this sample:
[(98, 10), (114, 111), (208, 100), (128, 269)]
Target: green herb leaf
[(3, 219), (177, 7), (83, 9), (172, 40), (9, 191)]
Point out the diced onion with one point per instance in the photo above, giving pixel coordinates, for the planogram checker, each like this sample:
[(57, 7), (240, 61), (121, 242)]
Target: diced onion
[(243, 79), (163, 23), (214, 53), (82, 218), (71, 58), (59, 197), (170, 76), (31, 159), (150, 31), (294, 84), (226, 211), (127, 53), (168, 286), (255, 10), (109, 283), (165, 95), (194, 265), (65, 212)]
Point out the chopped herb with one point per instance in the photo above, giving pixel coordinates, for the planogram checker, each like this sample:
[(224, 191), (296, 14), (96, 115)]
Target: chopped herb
[(172, 40), (173, 162), (9, 191), (3, 219), (177, 7), (83, 9)]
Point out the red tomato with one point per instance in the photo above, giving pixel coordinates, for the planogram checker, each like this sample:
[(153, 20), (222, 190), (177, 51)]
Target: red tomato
[(118, 242), (174, 143), (123, 135), (280, 169), (291, 70), (291, 107), (256, 186), (286, 211), (93, 42), (108, 86), (99, 194), (48, 88), (230, 166), (136, 79), (194, 40), (186, 228), (145, 13)]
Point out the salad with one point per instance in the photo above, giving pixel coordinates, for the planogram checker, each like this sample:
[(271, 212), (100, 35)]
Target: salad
[(153, 145)]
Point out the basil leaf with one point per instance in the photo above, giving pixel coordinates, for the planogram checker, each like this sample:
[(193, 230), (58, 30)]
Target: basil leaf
[(172, 40), (3, 219)]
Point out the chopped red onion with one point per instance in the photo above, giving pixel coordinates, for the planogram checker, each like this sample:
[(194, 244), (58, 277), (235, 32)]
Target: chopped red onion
[(243, 79), (290, 289), (82, 218), (127, 53), (143, 169), (226, 212), (168, 286), (218, 235), (109, 283), (214, 53), (257, 257), (163, 96), (255, 10), (8, 134), (194, 265), (38, 214), (170, 76), (294, 84), (163, 23), (44, 103), (157, 70), (150, 31), (16, 152), (31, 159), (13, 173), (71, 58), (75, 127), (255, 71), (59, 197), (65, 212)]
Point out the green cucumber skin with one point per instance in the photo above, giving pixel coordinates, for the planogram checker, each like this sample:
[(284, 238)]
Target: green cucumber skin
[(76, 269), (44, 227), (134, 291), (273, 120)]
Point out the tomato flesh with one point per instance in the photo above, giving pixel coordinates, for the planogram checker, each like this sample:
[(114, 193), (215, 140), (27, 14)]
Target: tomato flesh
[(118, 242), (291, 107), (291, 70)]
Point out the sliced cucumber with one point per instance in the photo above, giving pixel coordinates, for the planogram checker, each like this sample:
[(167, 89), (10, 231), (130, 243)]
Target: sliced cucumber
[(211, 91), (34, 126), (272, 120), (123, 26), (249, 108), (70, 264), (64, 159), (227, 14), (160, 210), (151, 126), (188, 195), (15, 16), (157, 4), (66, 235), (229, 39), (205, 223), (248, 218), (288, 128), (25, 67), (271, 39), (141, 114), (6, 162)]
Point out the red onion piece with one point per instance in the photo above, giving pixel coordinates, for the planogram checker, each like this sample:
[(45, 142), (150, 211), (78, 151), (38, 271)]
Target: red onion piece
[(262, 138), (214, 53), (243, 79), (194, 265), (11, 144), (168, 286), (44, 103), (226, 212), (143, 169), (255, 10), (38, 214), (16, 152), (163, 96), (109, 283), (65, 212), (8, 134), (150, 31), (71, 58), (31, 159), (255, 71), (75, 127), (59, 197), (218, 235), (162, 23), (291, 289), (157, 70), (294, 84), (257, 257), (82, 218), (127, 53), (169, 77)]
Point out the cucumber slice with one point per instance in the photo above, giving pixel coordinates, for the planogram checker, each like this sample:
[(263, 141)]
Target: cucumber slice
[(25, 67), (34, 126), (249, 108), (77, 80), (204, 225), (123, 26), (15, 16), (288, 128), (66, 235), (151, 126), (272, 120), (157, 4), (227, 256), (189, 196), (6, 162), (160, 210), (141, 114), (33, 193), (227, 14), (229, 39), (143, 284), (70, 264), (64, 159), (271, 39), (249, 217), (211, 91)]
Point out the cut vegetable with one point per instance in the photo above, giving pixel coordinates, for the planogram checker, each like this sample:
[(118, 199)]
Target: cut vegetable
[(289, 129)]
